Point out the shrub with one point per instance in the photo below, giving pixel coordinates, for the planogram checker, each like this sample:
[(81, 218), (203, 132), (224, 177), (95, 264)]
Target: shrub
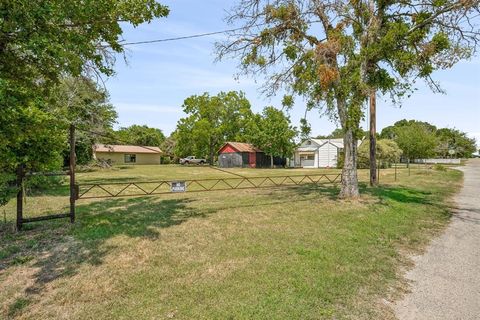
[(7, 188), (387, 152), (439, 167)]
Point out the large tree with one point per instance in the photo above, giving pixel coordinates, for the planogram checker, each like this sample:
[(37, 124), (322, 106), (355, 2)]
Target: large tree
[(84, 103), (416, 141), (272, 132), (210, 122), (140, 135), (42, 42), (387, 151), (454, 143), (333, 53)]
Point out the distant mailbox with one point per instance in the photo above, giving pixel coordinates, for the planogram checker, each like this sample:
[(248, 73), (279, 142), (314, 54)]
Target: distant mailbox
[(179, 186)]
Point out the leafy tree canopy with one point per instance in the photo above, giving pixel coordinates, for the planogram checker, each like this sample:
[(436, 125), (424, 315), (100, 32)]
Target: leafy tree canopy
[(42, 40), (448, 142), (390, 131), (416, 141), (81, 101), (272, 132), (454, 143), (140, 135), (43, 43), (387, 151), (332, 53), (210, 122)]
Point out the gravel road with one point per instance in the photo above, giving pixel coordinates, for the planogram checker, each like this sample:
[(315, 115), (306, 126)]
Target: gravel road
[(445, 282)]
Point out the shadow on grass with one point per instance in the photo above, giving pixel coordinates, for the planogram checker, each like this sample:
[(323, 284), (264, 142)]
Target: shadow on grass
[(398, 193), (330, 191), (60, 248)]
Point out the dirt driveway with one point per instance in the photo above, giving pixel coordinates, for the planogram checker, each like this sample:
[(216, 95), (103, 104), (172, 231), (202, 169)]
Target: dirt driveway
[(446, 279)]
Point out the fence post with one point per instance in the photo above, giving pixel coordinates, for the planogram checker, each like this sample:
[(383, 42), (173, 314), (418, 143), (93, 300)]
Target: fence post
[(408, 165), (20, 195), (378, 172), (395, 170), (72, 173)]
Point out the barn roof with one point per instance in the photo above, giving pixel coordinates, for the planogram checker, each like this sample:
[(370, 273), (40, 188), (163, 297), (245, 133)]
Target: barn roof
[(125, 149), (242, 147)]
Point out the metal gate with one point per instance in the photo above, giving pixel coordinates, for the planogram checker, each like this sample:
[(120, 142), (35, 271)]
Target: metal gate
[(146, 188)]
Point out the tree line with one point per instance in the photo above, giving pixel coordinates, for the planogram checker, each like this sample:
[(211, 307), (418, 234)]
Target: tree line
[(213, 120), (331, 54), (413, 139)]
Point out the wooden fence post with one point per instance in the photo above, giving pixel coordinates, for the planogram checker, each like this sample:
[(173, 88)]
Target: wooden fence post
[(20, 195), (72, 173), (378, 172), (395, 170)]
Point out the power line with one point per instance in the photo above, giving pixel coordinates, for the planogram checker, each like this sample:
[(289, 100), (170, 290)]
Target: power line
[(199, 35)]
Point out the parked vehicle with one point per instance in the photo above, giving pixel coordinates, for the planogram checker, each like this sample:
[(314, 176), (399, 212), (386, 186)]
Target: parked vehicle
[(192, 160)]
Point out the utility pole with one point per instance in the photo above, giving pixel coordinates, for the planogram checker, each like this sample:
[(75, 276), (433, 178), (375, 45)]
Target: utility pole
[(373, 139)]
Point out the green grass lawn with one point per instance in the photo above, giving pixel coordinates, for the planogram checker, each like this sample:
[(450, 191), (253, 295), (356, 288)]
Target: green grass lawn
[(279, 253)]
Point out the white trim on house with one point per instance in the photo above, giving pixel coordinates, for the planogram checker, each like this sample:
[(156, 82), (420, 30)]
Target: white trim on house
[(318, 153)]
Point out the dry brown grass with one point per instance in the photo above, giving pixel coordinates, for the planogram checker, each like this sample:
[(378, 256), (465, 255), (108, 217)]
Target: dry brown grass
[(296, 252)]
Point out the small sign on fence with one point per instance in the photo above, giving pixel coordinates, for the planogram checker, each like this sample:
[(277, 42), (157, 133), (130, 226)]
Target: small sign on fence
[(179, 186)]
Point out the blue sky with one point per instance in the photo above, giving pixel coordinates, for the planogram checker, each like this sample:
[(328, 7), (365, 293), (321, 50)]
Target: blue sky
[(150, 86)]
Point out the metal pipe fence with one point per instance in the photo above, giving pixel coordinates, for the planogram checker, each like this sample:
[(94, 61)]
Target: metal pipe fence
[(146, 188)]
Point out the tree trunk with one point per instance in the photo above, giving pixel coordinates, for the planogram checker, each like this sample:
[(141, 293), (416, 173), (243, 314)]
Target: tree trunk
[(271, 161), (373, 139), (349, 173), (212, 151)]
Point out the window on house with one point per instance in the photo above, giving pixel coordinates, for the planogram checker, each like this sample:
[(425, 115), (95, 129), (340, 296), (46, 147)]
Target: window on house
[(309, 142), (130, 158), (307, 157)]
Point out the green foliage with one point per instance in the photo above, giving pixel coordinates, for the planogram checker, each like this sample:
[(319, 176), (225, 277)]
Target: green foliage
[(84, 103), (454, 143), (305, 129), (211, 121), (334, 64), (336, 134), (47, 39), (390, 131), (387, 151), (140, 135), (272, 132), (43, 42), (416, 141), (7, 187), (439, 167), (447, 140)]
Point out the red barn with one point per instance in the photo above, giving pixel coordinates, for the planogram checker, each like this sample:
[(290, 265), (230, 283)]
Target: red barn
[(239, 154)]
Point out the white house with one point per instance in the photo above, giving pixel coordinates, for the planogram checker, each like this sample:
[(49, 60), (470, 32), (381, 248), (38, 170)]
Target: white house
[(318, 153)]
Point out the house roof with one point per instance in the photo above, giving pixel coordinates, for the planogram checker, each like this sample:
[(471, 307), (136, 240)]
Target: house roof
[(125, 149), (242, 147), (336, 142)]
